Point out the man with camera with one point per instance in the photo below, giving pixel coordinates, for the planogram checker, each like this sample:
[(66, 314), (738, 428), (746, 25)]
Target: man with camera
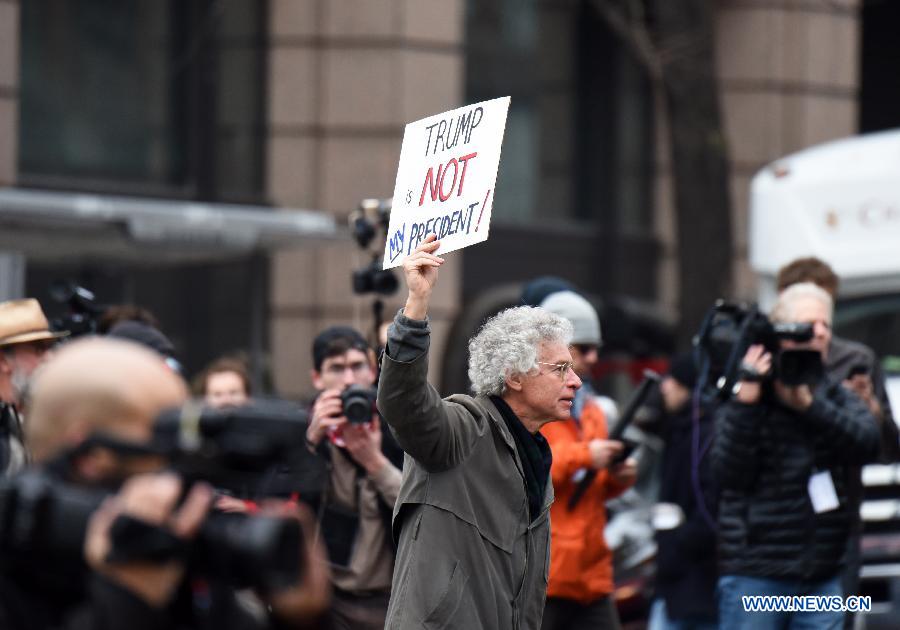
[(362, 480), (857, 365), (89, 428), (473, 511), (783, 448), (25, 338)]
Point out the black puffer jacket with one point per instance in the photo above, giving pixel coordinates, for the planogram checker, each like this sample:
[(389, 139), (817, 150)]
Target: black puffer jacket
[(763, 458)]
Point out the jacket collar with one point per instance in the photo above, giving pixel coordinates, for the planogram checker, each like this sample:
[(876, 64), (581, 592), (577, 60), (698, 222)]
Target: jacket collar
[(500, 425)]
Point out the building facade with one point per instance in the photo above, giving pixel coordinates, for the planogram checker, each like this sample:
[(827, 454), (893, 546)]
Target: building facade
[(302, 104)]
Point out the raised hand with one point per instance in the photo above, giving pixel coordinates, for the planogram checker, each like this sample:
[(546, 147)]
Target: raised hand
[(755, 360), (421, 270)]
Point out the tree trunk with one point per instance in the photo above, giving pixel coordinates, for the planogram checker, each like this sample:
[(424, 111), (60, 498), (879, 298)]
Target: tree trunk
[(683, 32)]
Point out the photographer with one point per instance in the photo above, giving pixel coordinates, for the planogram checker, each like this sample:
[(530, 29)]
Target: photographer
[(362, 481), (782, 455), (25, 338), (90, 427)]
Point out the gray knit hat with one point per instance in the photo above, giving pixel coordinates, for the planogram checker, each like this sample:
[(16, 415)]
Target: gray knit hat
[(577, 310)]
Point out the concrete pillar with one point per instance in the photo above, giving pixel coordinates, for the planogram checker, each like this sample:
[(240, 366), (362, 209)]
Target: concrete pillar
[(345, 76)]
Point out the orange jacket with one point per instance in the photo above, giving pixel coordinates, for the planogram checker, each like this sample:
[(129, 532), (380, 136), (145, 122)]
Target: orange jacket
[(580, 561)]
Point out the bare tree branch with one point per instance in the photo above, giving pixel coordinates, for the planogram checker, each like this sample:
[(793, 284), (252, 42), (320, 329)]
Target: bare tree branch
[(633, 32)]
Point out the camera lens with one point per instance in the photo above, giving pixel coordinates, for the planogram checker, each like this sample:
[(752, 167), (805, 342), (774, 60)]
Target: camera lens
[(358, 410), (359, 404)]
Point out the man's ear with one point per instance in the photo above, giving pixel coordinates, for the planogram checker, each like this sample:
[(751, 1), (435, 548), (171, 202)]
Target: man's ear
[(316, 377), (5, 367), (514, 382)]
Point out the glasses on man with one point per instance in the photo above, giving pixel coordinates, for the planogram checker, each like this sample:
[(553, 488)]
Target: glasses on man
[(561, 368)]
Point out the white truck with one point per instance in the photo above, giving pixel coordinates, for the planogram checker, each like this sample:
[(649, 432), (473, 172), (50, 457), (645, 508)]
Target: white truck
[(840, 202)]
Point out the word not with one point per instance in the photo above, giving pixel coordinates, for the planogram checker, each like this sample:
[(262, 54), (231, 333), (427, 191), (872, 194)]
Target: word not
[(443, 131), (436, 183), (806, 603)]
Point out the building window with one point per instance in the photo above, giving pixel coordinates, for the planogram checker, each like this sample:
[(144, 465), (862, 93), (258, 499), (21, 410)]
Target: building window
[(155, 97), (578, 146)]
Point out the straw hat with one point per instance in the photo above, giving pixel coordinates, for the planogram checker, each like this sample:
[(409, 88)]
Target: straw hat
[(22, 321)]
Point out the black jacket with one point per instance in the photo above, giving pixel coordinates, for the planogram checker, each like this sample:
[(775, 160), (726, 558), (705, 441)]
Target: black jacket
[(763, 458), (686, 555)]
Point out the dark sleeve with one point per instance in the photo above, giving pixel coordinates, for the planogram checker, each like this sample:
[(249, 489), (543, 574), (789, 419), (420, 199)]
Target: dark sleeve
[(408, 339), (842, 419), (735, 451), (438, 434), (111, 607)]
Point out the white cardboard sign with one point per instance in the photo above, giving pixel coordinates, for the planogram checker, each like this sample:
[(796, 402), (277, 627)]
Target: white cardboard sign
[(446, 178)]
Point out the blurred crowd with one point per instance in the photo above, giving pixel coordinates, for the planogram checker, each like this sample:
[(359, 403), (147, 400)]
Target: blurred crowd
[(128, 502)]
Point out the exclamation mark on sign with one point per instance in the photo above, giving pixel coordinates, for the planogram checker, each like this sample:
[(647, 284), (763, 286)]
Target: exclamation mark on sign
[(486, 195)]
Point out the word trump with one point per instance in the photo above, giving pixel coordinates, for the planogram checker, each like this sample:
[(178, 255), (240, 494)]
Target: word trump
[(443, 131)]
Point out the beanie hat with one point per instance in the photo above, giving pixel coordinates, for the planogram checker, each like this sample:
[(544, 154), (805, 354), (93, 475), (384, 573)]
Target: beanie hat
[(537, 290), (683, 370), (571, 306), (143, 334)]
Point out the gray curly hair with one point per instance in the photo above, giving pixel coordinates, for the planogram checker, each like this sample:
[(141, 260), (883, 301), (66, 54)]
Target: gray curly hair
[(509, 343)]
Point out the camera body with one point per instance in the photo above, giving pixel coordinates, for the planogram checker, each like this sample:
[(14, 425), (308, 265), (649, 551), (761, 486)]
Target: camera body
[(373, 279), (358, 403), (44, 517), (729, 329), (233, 447)]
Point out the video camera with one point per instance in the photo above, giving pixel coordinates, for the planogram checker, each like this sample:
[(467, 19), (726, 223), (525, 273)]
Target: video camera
[(729, 329), (368, 221), (83, 310), (43, 517)]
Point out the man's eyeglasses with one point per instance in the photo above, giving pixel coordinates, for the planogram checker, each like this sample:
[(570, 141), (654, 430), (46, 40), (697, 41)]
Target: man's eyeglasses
[(561, 368)]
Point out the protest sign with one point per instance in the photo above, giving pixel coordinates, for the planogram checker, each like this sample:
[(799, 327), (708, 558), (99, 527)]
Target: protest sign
[(446, 178)]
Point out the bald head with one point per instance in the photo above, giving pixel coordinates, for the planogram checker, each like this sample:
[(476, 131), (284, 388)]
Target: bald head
[(98, 384)]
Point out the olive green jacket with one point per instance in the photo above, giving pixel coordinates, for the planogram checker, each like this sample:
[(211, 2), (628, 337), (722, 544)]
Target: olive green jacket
[(468, 556)]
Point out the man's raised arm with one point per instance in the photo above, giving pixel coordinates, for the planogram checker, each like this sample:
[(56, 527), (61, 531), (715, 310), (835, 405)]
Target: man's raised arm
[(436, 433)]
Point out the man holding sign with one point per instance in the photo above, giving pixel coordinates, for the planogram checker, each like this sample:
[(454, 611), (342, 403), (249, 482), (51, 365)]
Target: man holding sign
[(473, 512)]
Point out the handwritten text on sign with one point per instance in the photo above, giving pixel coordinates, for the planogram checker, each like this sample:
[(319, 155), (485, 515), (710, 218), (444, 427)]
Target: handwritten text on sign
[(445, 180)]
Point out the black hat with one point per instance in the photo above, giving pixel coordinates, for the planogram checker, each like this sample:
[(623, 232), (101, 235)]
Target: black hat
[(143, 334), (683, 370), (534, 292)]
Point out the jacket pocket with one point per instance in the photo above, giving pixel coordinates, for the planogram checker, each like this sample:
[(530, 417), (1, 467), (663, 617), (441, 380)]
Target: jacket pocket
[(449, 600)]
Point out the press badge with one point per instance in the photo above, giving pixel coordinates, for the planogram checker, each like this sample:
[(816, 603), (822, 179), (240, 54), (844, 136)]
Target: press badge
[(822, 493)]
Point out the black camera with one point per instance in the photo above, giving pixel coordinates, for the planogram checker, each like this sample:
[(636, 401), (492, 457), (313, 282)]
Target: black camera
[(358, 403), (234, 447), (42, 517), (729, 329), (374, 279), (83, 311)]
